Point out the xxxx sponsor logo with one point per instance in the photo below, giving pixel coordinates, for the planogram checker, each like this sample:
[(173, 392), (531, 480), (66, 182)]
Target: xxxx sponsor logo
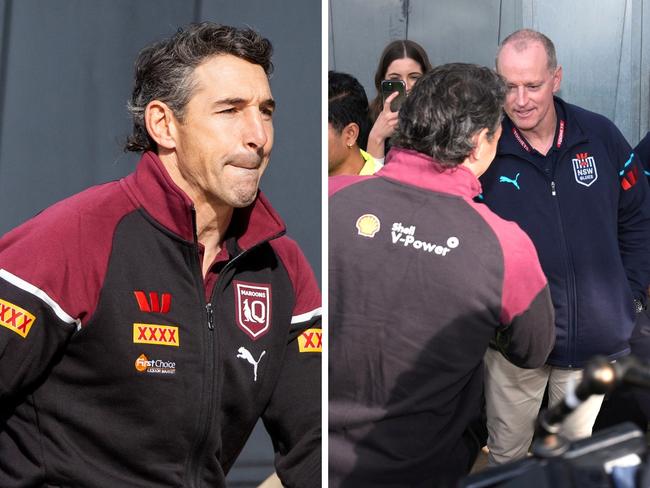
[(15, 318), (163, 335), (311, 340)]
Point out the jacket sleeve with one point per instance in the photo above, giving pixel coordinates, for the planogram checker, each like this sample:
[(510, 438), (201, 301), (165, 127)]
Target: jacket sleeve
[(49, 283), (293, 415), (633, 218), (33, 330), (527, 334)]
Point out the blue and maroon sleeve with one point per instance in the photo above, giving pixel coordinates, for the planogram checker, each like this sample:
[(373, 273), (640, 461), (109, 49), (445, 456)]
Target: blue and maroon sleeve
[(633, 216), (293, 416)]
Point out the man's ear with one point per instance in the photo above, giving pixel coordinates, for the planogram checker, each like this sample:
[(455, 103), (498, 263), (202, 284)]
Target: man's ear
[(350, 134), (481, 145), (161, 123), (557, 79)]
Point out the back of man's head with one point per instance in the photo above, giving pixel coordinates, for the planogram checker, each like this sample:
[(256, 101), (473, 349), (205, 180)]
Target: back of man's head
[(521, 39), (348, 104), (447, 107), (164, 70)]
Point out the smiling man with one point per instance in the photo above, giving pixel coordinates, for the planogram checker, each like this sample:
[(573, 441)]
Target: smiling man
[(568, 177), (147, 324)]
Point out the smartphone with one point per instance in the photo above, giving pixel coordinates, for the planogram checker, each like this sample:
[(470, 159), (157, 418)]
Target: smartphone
[(390, 86)]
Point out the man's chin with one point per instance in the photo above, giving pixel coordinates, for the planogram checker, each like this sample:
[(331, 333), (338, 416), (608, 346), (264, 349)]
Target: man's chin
[(243, 199)]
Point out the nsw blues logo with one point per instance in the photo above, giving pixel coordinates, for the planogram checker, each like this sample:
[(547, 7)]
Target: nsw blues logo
[(584, 169)]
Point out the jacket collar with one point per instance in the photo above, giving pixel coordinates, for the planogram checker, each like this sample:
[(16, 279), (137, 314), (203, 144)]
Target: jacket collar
[(151, 188), (569, 132), (417, 169)]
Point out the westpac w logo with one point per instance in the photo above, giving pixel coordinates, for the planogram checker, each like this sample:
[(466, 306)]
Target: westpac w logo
[(505, 179), (155, 303), (584, 169)]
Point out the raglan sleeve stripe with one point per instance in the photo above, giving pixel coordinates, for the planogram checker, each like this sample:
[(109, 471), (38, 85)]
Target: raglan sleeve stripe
[(293, 414), (307, 316), (38, 293)]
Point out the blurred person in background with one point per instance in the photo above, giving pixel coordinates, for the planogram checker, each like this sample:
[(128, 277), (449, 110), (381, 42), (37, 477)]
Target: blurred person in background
[(403, 60), (348, 126)]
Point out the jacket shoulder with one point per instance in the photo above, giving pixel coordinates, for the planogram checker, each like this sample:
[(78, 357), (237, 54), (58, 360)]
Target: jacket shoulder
[(303, 281), (64, 250)]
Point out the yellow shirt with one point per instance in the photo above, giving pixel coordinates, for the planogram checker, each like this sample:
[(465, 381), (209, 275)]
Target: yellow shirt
[(370, 166)]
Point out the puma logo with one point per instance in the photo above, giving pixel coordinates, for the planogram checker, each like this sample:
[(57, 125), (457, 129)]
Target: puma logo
[(505, 179), (244, 353)]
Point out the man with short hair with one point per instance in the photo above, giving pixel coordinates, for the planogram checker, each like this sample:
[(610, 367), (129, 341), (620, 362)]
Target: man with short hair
[(421, 280), (567, 176), (348, 127), (160, 316)]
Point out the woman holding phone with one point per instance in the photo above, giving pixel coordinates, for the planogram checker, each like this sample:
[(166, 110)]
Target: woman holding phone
[(403, 60)]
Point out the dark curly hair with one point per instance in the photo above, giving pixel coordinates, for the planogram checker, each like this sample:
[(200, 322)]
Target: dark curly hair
[(164, 70), (446, 108)]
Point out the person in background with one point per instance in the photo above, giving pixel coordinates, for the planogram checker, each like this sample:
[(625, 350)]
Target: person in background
[(348, 126), (421, 279), (567, 176), (629, 403), (403, 60)]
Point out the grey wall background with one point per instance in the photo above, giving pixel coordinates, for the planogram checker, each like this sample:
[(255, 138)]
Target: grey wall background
[(603, 45), (66, 73)]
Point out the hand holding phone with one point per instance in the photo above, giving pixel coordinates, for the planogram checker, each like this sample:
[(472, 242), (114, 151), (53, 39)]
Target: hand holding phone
[(390, 86)]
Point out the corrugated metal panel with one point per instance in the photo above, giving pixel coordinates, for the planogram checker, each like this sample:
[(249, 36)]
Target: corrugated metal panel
[(360, 30), (456, 30), (600, 44), (643, 72)]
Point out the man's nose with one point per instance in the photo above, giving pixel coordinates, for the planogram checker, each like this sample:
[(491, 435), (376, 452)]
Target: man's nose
[(255, 129), (522, 96)]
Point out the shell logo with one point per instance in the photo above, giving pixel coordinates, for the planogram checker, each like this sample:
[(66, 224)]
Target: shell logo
[(141, 363), (368, 225)]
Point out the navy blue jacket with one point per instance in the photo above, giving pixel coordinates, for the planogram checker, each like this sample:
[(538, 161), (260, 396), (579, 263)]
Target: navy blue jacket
[(642, 151), (586, 207)]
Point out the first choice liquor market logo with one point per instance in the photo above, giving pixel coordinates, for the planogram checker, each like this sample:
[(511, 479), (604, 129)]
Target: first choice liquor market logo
[(154, 366)]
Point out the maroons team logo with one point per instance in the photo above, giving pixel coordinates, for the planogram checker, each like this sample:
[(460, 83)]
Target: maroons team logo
[(253, 308)]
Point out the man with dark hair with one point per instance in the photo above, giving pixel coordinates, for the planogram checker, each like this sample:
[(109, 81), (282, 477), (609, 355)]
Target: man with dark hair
[(421, 280), (348, 127), (568, 177), (166, 312)]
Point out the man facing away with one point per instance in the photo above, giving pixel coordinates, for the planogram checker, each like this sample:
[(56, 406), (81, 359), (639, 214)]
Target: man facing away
[(348, 126), (421, 280), (568, 178), (148, 323)]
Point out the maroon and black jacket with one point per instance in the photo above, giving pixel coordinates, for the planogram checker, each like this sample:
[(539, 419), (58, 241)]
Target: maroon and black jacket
[(120, 366), (421, 279)]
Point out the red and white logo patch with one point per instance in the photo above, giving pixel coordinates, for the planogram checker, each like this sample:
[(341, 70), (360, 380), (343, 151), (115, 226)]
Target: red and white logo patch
[(253, 308)]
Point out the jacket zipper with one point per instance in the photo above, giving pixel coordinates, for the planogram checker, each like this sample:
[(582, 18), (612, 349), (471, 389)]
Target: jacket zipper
[(199, 446), (207, 394), (572, 325)]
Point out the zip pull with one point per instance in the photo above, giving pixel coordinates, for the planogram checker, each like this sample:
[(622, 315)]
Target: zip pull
[(208, 309), (553, 192)]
